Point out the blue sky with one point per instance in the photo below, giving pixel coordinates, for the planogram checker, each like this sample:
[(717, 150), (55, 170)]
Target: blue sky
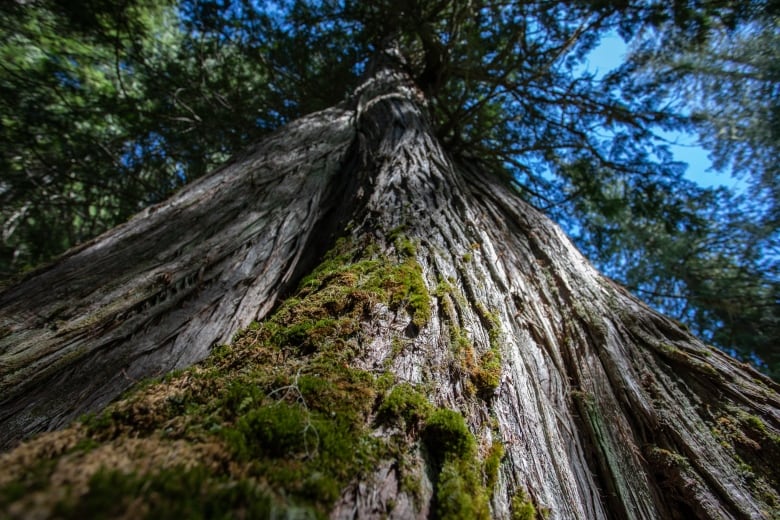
[(608, 55)]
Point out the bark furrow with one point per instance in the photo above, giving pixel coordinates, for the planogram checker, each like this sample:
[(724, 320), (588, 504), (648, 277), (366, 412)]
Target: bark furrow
[(590, 404), (156, 293)]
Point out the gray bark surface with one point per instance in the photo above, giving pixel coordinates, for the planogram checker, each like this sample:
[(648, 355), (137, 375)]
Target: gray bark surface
[(606, 409), (156, 293)]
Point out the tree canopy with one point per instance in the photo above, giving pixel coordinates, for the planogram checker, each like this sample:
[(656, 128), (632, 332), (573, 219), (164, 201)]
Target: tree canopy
[(103, 112)]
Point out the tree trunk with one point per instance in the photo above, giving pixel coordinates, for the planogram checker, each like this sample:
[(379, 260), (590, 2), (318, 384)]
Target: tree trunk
[(448, 301), (156, 293)]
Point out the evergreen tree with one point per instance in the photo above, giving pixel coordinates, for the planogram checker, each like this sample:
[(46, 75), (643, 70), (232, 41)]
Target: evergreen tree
[(416, 339)]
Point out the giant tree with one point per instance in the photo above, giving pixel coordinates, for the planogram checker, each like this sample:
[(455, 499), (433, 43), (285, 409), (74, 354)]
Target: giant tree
[(361, 315)]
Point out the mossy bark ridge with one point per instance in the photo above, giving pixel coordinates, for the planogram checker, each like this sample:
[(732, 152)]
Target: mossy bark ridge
[(453, 355)]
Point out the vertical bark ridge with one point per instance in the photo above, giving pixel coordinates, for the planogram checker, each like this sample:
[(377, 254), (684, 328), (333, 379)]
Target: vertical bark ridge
[(157, 292), (604, 408), (573, 409), (420, 195)]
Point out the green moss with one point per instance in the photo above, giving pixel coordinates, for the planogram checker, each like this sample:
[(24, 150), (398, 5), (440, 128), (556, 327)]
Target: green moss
[(346, 287), (492, 463), (669, 459), (173, 493), (241, 395), (446, 433), (754, 449), (303, 427), (397, 346), (337, 389), (598, 427), (459, 493), (690, 359), (487, 374), (16, 489), (581, 398), (459, 342), (285, 413), (522, 507), (34, 480), (405, 247), (408, 287), (484, 374), (492, 323), (443, 288), (756, 425), (96, 422), (411, 483), (406, 406), (277, 431)]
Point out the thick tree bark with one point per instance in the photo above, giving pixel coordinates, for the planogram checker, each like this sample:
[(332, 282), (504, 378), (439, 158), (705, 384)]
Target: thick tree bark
[(156, 293), (603, 407)]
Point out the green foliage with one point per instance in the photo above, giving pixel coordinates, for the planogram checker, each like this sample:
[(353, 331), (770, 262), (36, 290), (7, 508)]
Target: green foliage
[(107, 109), (703, 262), (705, 256), (67, 115), (728, 83)]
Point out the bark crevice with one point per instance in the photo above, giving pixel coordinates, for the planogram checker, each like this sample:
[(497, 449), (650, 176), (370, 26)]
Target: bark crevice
[(601, 407)]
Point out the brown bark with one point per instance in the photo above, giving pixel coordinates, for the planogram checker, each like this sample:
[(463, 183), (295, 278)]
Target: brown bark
[(605, 408)]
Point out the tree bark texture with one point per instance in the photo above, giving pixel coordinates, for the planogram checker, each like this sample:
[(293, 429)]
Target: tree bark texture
[(156, 293), (603, 407)]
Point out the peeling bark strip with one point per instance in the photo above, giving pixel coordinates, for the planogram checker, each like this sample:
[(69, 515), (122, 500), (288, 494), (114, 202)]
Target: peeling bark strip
[(589, 404)]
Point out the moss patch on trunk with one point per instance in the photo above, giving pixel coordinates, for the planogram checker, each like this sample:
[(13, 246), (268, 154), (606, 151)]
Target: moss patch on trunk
[(460, 492), (277, 422)]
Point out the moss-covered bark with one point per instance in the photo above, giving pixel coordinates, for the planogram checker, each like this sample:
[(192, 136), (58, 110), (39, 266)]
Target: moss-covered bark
[(453, 356), (278, 422)]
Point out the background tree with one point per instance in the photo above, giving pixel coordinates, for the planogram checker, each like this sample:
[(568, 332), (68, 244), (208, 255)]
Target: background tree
[(452, 355), (167, 93), (726, 82)]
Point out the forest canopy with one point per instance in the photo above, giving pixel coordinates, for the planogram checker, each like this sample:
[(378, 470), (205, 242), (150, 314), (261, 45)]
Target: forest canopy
[(104, 112)]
